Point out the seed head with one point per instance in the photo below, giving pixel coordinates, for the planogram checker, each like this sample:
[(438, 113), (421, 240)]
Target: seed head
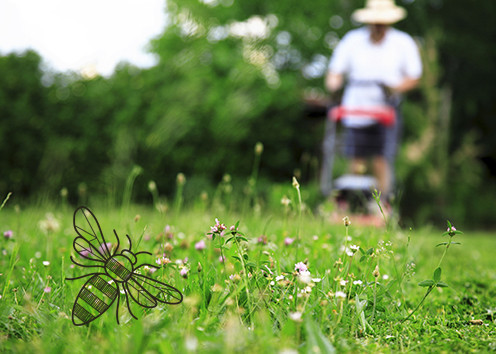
[(346, 221), (376, 273), (259, 148), (295, 183), (181, 179), (152, 186)]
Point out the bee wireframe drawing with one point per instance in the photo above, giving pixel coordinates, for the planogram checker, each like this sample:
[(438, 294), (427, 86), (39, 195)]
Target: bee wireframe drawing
[(117, 273)]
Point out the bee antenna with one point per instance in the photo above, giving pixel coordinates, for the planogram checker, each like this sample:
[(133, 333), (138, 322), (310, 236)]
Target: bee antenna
[(130, 242), (118, 242)]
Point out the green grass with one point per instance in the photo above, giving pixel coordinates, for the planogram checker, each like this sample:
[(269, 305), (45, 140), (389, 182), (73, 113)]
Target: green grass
[(254, 310)]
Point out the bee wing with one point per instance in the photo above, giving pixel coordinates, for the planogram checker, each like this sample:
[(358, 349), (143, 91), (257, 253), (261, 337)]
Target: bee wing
[(91, 237), (86, 250), (152, 290)]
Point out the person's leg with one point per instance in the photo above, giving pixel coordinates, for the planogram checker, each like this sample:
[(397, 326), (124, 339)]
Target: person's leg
[(358, 165), (382, 171), (392, 139)]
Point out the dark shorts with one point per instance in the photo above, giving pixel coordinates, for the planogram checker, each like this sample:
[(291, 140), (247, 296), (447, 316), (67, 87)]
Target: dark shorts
[(365, 142)]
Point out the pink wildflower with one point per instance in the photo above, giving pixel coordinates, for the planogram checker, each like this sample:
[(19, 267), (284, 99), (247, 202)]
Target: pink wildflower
[(47, 290), (200, 245), (218, 227), (451, 230), (288, 241), (8, 234), (168, 232), (163, 261), (301, 267), (184, 272), (262, 239)]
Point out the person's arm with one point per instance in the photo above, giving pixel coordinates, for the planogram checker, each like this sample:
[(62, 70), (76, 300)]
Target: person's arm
[(406, 85), (334, 81)]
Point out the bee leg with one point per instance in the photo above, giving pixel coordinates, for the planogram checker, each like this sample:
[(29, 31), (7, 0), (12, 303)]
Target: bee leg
[(82, 276), (118, 303), (84, 265), (127, 301)]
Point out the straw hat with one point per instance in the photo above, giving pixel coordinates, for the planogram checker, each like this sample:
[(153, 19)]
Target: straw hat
[(379, 11)]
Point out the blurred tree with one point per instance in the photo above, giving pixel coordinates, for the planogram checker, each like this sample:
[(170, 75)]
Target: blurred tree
[(23, 105)]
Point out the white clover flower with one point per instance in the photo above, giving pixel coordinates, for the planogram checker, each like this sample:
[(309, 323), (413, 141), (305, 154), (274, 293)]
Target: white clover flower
[(49, 224), (305, 277), (354, 248), (295, 316), (285, 201)]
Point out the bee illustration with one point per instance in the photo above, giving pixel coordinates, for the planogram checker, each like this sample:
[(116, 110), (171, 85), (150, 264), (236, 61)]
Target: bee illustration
[(117, 273)]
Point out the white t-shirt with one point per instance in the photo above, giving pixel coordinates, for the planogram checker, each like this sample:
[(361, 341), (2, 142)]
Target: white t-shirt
[(362, 61)]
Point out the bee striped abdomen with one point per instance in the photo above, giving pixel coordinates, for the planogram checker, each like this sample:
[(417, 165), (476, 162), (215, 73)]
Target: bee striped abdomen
[(102, 285), (93, 300), (95, 297)]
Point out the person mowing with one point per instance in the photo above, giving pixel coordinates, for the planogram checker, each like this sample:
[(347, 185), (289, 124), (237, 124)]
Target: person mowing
[(376, 64)]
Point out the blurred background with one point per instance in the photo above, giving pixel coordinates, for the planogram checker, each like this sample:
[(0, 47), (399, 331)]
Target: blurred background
[(223, 75)]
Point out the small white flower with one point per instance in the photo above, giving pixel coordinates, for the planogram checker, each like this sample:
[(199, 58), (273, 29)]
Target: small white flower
[(305, 277), (279, 277), (295, 316), (385, 277), (354, 248), (191, 343), (357, 282), (340, 294), (316, 280), (343, 282), (46, 263)]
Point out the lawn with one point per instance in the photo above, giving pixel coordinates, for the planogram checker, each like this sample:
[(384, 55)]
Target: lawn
[(279, 281)]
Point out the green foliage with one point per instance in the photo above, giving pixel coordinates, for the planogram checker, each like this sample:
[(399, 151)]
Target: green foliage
[(216, 92)]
